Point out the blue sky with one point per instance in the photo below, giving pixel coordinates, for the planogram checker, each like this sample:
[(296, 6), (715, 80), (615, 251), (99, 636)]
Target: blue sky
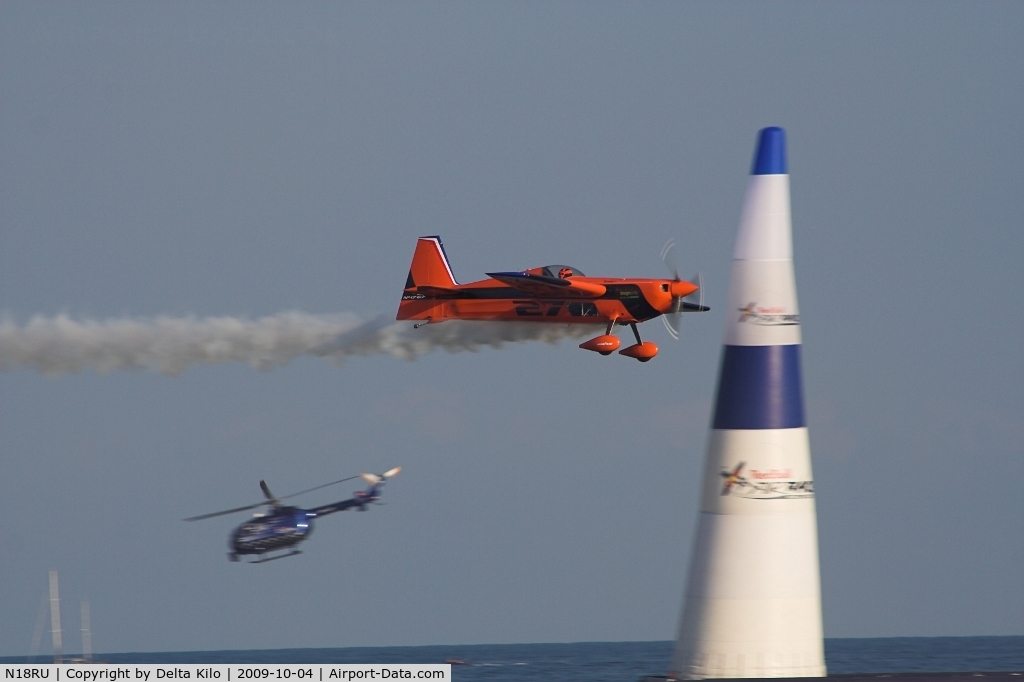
[(236, 159)]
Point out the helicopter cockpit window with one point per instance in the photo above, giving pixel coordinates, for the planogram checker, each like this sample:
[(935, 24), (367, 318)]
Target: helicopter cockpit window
[(561, 271)]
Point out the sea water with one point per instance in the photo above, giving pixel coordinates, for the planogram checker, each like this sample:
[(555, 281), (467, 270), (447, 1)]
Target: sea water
[(616, 661)]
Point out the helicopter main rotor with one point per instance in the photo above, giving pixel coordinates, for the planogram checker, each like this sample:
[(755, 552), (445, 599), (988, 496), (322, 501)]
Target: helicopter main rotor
[(275, 501)]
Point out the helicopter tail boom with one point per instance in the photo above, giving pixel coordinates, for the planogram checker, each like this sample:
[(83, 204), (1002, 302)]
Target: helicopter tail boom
[(363, 497)]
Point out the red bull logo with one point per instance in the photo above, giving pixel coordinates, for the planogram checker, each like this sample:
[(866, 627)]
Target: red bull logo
[(767, 316), (774, 484)]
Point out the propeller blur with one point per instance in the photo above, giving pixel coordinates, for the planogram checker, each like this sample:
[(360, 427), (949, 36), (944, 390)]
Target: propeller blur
[(690, 303), (284, 527)]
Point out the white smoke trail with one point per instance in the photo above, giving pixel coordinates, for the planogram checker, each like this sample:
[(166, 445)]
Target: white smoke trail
[(170, 345)]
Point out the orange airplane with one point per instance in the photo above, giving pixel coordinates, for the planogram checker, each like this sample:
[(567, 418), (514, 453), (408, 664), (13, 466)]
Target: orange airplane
[(552, 294)]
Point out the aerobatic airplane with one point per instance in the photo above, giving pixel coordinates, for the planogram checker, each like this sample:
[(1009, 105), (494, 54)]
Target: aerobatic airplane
[(552, 294)]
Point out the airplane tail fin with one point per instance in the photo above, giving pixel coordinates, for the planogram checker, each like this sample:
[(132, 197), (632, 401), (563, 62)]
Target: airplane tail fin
[(429, 268), (430, 265)]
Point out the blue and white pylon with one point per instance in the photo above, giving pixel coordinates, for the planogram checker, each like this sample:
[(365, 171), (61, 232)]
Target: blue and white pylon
[(753, 597)]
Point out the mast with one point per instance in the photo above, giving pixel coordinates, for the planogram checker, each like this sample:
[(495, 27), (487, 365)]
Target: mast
[(37, 634), (55, 617), (86, 633)]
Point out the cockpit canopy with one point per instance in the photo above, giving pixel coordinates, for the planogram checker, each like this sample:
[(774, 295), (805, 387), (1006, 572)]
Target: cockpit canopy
[(560, 271)]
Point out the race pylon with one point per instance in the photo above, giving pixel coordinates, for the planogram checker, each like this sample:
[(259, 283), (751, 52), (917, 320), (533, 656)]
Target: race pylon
[(753, 597)]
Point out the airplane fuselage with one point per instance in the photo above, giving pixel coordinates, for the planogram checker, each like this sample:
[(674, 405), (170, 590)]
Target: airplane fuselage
[(552, 294), (623, 300)]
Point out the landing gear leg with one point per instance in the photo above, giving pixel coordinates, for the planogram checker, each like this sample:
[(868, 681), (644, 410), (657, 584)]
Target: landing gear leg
[(636, 332), (232, 556)]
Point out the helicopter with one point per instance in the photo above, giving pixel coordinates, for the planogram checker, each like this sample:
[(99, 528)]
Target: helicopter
[(284, 527)]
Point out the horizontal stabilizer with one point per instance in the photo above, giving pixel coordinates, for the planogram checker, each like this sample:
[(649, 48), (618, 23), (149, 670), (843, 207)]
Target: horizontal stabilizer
[(436, 292)]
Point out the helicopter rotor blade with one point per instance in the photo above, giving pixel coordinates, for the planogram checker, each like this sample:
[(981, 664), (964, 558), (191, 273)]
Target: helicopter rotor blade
[(309, 490), (266, 491), (274, 501), (226, 511)]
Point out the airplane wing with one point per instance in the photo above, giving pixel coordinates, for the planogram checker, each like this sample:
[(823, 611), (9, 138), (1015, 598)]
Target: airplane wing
[(549, 287)]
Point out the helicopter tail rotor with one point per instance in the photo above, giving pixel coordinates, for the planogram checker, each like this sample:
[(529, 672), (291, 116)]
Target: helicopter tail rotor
[(374, 479)]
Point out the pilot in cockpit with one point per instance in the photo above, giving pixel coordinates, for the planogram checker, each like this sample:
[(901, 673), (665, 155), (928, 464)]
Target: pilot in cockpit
[(564, 271)]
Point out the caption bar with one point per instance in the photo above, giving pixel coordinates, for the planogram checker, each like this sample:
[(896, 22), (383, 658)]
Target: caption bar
[(154, 672)]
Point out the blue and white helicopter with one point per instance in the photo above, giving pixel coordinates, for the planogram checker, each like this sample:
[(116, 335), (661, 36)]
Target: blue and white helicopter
[(283, 527)]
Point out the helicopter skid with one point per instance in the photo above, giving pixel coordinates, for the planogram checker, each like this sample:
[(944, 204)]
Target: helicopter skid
[(264, 560)]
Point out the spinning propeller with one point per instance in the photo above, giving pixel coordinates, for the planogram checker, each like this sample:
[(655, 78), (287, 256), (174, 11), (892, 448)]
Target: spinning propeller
[(691, 303)]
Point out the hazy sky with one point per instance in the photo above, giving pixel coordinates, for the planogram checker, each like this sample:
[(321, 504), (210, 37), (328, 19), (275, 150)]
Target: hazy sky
[(249, 159)]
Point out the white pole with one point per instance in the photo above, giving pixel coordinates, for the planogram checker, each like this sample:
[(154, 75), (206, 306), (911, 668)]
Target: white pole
[(37, 635), (55, 617), (86, 633)]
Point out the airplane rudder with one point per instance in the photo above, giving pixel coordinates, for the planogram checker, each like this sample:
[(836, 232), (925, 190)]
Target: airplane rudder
[(430, 265)]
